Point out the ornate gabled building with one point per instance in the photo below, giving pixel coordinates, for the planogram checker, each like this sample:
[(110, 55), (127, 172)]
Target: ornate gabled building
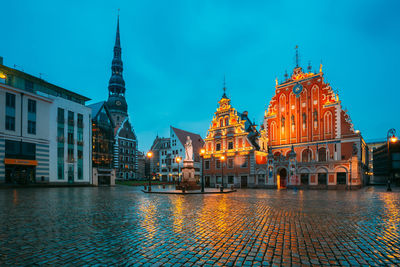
[(311, 138), (125, 145), (233, 136)]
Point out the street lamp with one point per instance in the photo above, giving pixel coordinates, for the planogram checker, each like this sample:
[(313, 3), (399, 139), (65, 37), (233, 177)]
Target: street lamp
[(178, 159), (202, 152), (390, 138), (149, 155), (222, 170)]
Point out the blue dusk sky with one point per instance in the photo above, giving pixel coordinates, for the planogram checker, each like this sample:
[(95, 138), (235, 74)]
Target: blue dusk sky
[(176, 54)]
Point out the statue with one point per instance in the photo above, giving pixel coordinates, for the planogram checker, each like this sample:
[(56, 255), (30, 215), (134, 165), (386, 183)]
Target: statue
[(188, 149)]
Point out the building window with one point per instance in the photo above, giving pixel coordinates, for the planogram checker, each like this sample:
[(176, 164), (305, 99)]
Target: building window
[(322, 154), (230, 163), (218, 164), (244, 163), (226, 121), (71, 136), (31, 116), (28, 85), (230, 179), (70, 155), (306, 155), (230, 145), (60, 115), (70, 118), (221, 123), (207, 164), (10, 112), (218, 147), (80, 120)]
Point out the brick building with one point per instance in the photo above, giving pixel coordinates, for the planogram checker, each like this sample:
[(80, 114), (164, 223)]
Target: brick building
[(234, 136), (311, 138)]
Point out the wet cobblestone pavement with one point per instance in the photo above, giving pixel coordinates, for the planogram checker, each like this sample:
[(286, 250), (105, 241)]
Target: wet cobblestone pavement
[(123, 226)]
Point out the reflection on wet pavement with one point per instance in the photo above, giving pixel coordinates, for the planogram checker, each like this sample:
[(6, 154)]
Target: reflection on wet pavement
[(122, 225)]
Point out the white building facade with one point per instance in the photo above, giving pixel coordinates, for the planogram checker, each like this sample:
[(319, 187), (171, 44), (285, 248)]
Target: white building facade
[(45, 132)]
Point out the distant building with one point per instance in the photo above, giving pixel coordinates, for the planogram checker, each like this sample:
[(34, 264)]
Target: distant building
[(387, 165), (45, 131), (141, 171), (102, 145), (372, 145), (311, 138), (163, 164), (232, 135)]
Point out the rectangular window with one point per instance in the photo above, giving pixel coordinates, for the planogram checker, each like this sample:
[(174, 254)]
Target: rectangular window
[(341, 178), (31, 116), (230, 179), (71, 136), (244, 162), (219, 180), (60, 115), (70, 154), (230, 163), (10, 112), (207, 164), (28, 85), (60, 171), (80, 120), (70, 118), (304, 178), (218, 147), (322, 178), (230, 145), (218, 164)]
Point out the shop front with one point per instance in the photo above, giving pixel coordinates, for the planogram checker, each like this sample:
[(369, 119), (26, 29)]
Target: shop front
[(20, 171)]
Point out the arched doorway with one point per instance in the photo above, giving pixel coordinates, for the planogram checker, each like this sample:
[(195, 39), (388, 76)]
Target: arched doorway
[(282, 178)]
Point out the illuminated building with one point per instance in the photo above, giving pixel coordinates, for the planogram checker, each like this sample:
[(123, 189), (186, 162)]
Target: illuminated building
[(235, 139), (311, 138), (45, 131), (165, 151)]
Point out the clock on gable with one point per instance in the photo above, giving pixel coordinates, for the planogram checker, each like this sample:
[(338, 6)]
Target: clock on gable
[(118, 103), (297, 89)]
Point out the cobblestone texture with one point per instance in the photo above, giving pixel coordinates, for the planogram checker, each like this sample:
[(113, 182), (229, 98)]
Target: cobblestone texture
[(123, 226)]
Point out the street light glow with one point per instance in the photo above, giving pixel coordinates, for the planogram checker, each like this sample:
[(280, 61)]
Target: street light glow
[(149, 154), (222, 157), (202, 151), (178, 159), (393, 139)]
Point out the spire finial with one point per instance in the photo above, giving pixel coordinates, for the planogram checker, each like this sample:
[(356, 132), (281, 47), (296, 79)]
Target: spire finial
[(224, 88), (297, 56)]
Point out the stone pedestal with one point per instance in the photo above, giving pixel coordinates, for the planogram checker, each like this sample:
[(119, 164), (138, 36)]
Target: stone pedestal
[(188, 178)]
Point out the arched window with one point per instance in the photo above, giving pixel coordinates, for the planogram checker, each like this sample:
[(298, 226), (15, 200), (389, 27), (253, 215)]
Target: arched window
[(282, 102), (322, 154), (277, 155), (273, 131), (221, 122), (306, 155), (328, 122), (226, 121)]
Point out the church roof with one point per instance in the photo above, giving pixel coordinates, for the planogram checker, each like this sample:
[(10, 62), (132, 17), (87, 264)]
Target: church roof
[(96, 107), (197, 141)]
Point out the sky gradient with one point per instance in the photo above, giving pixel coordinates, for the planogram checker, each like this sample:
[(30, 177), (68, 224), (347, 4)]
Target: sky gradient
[(176, 54)]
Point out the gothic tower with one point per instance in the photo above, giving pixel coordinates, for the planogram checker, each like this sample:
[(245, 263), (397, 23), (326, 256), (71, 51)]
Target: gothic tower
[(116, 87)]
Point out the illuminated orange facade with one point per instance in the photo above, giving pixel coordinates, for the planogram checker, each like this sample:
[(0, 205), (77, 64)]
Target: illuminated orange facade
[(233, 148), (311, 138)]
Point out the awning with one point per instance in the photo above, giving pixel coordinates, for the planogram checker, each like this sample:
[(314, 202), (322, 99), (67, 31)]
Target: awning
[(21, 162)]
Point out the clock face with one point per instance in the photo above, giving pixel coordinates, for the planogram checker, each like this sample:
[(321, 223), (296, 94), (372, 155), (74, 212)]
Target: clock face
[(118, 103), (297, 89)]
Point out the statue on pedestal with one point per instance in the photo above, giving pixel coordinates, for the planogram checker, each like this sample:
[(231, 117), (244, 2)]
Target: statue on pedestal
[(188, 149)]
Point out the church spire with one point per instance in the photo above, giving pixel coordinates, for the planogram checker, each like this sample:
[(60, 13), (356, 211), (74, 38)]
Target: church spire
[(116, 85)]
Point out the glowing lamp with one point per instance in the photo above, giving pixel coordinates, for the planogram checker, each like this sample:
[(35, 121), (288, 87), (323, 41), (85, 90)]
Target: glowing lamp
[(149, 154), (393, 139), (222, 157), (178, 159), (2, 75), (202, 151)]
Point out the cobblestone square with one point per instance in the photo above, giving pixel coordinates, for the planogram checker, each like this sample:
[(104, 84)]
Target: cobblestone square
[(123, 226)]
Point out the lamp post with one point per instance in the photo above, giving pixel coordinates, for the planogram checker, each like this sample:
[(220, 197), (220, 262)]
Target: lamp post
[(178, 159), (202, 152), (149, 155), (390, 138), (222, 170)]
